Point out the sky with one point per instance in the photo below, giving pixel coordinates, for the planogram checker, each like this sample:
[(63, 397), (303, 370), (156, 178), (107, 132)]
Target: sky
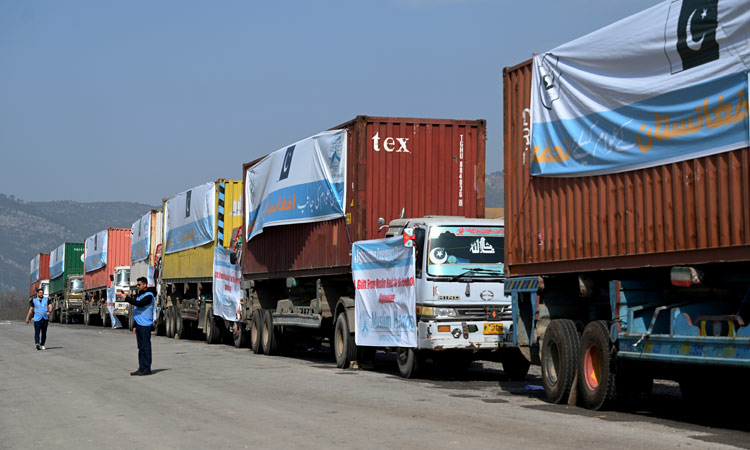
[(138, 100)]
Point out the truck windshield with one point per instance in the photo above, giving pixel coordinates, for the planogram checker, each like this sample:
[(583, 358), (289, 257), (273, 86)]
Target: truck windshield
[(76, 286), (123, 278), (472, 251)]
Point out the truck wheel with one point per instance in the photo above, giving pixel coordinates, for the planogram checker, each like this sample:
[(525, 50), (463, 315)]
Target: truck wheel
[(213, 334), (62, 318), (408, 362), (256, 332), (343, 343), (86, 317), (170, 321), (269, 336), (596, 380), (131, 320), (515, 365), (559, 359), (179, 325), (103, 316), (239, 335)]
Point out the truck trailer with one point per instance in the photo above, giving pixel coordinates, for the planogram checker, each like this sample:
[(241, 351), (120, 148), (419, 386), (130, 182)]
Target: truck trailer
[(39, 274), (106, 266), (196, 222), (145, 241), (66, 282), (627, 201), (297, 271)]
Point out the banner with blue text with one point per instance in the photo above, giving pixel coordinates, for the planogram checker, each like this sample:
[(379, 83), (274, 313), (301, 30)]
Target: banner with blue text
[(189, 218), (226, 284), (385, 301), (667, 84), (95, 251), (57, 262), (140, 238), (304, 182)]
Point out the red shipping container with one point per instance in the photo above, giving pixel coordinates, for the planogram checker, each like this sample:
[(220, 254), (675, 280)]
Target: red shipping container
[(43, 273), (118, 254), (442, 173), (689, 212)]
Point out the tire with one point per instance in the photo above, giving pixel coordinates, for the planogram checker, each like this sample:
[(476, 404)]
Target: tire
[(408, 362), (344, 348), (62, 318), (170, 321), (596, 368), (131, 319), (179, 325), (213, 333), (560, 349), (515, 365), (103, 316), (256, 332), (239, 335), (86, 317), (270, 337)]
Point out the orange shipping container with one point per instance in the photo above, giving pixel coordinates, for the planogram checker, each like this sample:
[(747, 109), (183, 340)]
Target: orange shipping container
[(118, 254), (442, 173), (689, 212)]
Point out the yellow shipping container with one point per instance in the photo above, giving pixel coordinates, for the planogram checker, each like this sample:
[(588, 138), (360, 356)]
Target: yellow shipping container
[(197, 263)]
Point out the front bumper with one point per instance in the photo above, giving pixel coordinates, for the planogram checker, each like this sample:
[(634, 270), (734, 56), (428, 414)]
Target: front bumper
[(462, 335)]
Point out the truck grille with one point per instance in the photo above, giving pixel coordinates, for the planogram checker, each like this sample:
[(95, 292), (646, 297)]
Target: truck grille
[(484, 313)]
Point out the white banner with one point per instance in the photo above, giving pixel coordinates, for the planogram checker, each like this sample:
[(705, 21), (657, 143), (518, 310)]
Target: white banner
[(95, 251), (140, 238), (34, 269), (189, 218), (57, 262), (227, 280), (385, 297), (664, 85), (111, 308), (304, 182)]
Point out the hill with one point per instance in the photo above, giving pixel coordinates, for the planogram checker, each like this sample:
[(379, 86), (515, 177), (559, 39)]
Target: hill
[(494, 190), (28, 228)]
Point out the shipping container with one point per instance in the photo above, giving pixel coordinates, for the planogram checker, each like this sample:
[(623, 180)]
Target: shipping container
[(117, 254), (196, 264), (155, 231), (418, 166), (39, 271), (72, 264), (683, 213)]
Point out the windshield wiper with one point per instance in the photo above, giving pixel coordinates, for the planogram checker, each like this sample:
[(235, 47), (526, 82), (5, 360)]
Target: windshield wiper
[(470, 270)]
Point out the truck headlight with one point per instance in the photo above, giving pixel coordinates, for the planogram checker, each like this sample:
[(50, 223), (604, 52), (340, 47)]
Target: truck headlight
[(436, 313)]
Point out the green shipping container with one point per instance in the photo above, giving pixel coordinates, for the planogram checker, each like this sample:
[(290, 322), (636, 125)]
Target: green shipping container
[(65, 261)]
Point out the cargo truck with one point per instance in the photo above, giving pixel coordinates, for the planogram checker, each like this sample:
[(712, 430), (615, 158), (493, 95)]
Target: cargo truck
[(66, 282), (106, 265), (196, 222), (628, 232), (39, 274), (145, 238), (297, 273)]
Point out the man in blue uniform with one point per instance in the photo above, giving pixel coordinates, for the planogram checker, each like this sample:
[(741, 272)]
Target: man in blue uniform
[(143, 315), (41, 307)]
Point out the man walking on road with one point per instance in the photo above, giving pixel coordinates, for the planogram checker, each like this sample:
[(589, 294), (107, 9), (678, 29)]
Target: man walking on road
[(41, 308), (143, 314)]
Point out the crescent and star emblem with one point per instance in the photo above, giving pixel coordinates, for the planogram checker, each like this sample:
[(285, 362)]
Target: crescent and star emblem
[(692, 43)]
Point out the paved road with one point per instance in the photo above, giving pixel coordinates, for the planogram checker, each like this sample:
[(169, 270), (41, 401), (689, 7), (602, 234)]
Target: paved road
[(78, 394)]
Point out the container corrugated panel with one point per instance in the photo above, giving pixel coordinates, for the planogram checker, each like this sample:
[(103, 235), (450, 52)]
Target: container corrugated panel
[(140, 268), (198, 262), (441, 174), (73, 265), (690, 212), (43, 272), (118, 254)]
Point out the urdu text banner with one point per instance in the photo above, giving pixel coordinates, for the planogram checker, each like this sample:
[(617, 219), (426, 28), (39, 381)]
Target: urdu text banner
[(664, 85)]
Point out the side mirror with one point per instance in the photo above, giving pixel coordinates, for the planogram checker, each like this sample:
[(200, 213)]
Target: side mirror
[(111, 278), (381, 224), (233, 258)]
